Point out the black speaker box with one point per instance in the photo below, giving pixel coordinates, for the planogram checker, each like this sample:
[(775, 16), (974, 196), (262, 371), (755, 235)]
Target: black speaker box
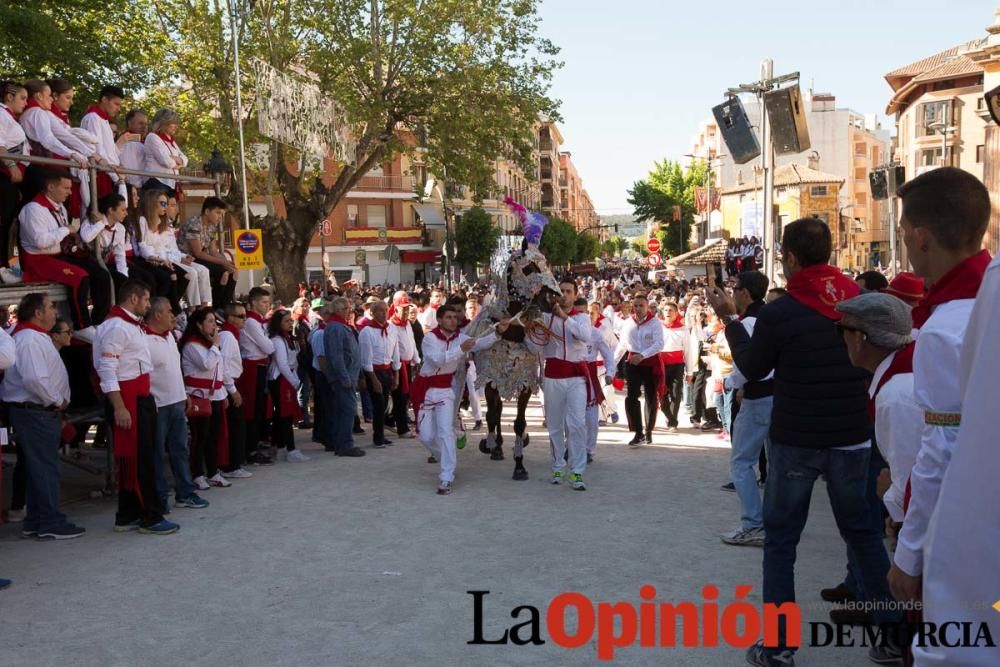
[(895, 178), (736, 131), (877, 180), (787, 117)]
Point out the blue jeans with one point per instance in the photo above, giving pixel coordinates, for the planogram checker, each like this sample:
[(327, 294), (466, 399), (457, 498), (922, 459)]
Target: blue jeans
[(172, 441), (305, 390), (724, 406), (749, 435), (339, 421), (37, 433), (853, 581), (366, 405), (791, 474)]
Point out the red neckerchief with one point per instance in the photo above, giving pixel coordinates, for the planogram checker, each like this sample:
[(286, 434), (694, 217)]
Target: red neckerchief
[(339, 319), (962, 282), (122, 314), (398, 322), (21, 326), (7, 109), (384, 328), (901, 364), (599, 322), (59, 113), (573, 311), (464, 323), (441, 335), (33, 104), (167, 139), (257, 317), (56, 209), (821, 288), (150, 332), (649, 316), (93, 108), (678, 323), (232, 329), (300, 317)]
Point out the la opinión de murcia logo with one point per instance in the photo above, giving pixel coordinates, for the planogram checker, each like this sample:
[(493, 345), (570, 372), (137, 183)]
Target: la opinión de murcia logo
[(705, 624)]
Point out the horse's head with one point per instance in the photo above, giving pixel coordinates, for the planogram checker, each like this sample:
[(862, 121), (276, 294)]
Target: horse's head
[(531, 285)]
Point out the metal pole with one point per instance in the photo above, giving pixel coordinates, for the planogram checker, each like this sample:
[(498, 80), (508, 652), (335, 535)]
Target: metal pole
[(892, 234), (767, 166), (239, 122)]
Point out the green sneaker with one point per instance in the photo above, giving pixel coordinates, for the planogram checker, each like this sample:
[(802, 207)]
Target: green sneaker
[(460, 443), (576, 480), (557, 478)]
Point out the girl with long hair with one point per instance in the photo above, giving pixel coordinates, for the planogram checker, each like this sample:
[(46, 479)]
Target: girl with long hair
[(167, 282), (283, 382), (201, 364), (160, 243)]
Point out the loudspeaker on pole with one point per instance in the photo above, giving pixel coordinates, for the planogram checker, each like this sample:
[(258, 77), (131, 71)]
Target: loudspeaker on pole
[(787, 118), (736, 131)]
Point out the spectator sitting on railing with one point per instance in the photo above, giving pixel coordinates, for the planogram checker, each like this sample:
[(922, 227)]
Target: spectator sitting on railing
[(43, 233), (199, 237), (162, 152), (13, 98), (97, 121)]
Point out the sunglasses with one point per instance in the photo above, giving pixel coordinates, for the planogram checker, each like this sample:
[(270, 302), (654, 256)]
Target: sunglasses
[(843, 328), (162, 204), (239, 317)]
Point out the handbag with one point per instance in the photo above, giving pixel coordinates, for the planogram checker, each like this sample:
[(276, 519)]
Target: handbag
[(72, 246), (199, 406)]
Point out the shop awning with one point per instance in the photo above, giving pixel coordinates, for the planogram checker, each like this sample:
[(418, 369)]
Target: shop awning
[(420, 256), (431, 215)]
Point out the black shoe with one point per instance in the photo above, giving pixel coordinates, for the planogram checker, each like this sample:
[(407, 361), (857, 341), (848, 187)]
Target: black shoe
[(478, 425), (649, 438), (695, 423), (711, 426), (304, 424), (839, 594), (851, 617), (590, 458), (67, 531), (431, 459), (731, 487), (353, 452), (387, 442), (358, 431), (261, 459), (636, 441)]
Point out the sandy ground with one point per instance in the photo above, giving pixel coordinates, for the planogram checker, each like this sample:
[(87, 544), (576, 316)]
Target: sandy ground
[(358, 562)]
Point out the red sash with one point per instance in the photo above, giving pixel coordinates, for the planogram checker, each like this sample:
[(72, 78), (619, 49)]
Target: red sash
[(560, 369), (126, 441), (821, 288), (247, 385), (419, 387), (288, 400), (656, 363), (595, 383)]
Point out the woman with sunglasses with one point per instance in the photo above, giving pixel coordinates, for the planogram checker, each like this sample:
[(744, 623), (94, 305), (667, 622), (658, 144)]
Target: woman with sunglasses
[(167, 282), (161, 245)]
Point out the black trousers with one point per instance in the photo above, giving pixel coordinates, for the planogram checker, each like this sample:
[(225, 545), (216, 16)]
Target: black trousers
[(698, 389), (321, 406), (222, 295), (162, 281), (255, 425), (98, 286), (237, 437), (147, 510), (205, 433), (10, 204), (400, 401), (640, 380), (672, 400), (282, 436), (379, 401)]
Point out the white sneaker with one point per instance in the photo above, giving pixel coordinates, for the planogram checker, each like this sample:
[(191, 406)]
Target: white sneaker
[(16, 516), (239, 473), (745, 537), (9, 277), (201, 483), (86, 335), (295, 456), (218, 480)]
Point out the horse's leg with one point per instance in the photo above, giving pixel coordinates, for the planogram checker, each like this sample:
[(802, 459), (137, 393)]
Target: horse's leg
[(521, 437), (494, 407)]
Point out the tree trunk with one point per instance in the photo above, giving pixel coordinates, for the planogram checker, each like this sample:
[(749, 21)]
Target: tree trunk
[(285, 248)]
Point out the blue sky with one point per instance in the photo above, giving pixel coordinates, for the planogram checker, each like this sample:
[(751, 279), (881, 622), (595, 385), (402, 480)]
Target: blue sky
[(641, 75)]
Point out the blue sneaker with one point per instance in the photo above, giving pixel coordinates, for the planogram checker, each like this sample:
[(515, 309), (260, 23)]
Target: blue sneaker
[(164, 527), (194, 501), (5, 583)]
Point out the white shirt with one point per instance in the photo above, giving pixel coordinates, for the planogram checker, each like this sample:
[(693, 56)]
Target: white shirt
[(961, 578), (134, 157), (111, 242), (166, 380), (407, 345), (232, 362), (42, 127), (254, 341), (161, 245), (378, 348), (12, 136), (645, 339), (935, 389), (159, 156), (898, 423), (284, 363), (428, 318), (8, 350), (39, 376), (106, 147), (318, 347), (442, 357), (42, 229), (204, 363), (575, 333), (121, 352), (736, 380), (598, 347)]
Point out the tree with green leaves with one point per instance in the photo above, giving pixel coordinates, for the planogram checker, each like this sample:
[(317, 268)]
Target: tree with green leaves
[(615, 246), (656, 197), (476, 238), (558, 242), (588, 247)]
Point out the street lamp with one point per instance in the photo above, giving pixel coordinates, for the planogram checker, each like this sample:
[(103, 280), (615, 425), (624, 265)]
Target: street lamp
[(945, 130)]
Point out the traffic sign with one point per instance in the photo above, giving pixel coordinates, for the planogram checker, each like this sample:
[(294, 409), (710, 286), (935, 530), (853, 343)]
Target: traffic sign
[(360, 257), (654, 259), (249, 250), (653, 245), (327, 228)]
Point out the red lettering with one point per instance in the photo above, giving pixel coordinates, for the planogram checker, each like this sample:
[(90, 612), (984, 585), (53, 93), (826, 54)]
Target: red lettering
[(607, 640), (555, 619)]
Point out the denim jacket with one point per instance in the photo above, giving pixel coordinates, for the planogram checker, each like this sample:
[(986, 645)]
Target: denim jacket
[(343, 360)]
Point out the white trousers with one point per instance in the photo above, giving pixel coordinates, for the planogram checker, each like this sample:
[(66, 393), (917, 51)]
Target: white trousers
[(436, 427), (199, 289), (608, 404), (470, 384), (565, 408), (592, 415)]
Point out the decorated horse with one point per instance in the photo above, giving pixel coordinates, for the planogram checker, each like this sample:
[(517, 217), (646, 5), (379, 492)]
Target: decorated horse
[(525, 290)]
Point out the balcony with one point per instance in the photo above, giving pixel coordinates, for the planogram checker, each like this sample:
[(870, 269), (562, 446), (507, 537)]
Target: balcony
[(546, 146), (386, 184)]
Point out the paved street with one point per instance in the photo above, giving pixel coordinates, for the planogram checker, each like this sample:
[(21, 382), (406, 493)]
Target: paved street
[(358, 562)]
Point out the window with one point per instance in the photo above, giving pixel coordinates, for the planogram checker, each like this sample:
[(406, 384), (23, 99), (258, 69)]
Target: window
[(352, 215), (860, 149), (420, 175), (932, 113), (931, 157), (376, 215), (980, 154), (861, 199), (980, 104), (860, 173), (818, 191)]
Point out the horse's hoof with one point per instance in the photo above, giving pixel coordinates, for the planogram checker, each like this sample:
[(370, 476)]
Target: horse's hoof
[(520, 475), (526, 440), (497, 454), (483, 447)]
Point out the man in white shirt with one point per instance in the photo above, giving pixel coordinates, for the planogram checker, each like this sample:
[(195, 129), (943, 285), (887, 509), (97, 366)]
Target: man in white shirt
[(121, 357), (428, 316), (36, 389), (409, 357), (379, 351), (675, 344), (641, 340), (133, 153), (256, 348), (230, 334), (97, 121), (167, 387)]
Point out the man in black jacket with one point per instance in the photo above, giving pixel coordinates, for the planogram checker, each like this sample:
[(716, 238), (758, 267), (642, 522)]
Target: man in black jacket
[(819, 423)]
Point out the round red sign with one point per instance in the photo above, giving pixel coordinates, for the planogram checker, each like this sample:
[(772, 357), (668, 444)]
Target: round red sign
[(653, 245)]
